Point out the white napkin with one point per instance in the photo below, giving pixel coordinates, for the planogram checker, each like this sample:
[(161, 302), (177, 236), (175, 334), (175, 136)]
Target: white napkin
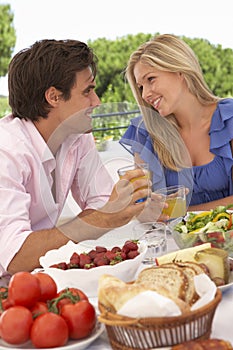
[(153, 304), (149, 304), (205, 288)]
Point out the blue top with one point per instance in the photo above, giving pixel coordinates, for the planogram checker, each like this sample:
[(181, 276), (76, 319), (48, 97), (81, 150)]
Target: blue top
[(206, 182)]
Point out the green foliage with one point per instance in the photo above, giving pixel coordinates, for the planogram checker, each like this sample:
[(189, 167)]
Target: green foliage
[(113, 56), (216, 64), (4, 106), (7, 38)]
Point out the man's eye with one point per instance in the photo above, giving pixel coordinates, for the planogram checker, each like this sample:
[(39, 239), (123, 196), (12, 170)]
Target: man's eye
[(87, 91)]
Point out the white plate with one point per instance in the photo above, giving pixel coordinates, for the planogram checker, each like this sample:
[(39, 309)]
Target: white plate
[(71, 345), (230, 283)]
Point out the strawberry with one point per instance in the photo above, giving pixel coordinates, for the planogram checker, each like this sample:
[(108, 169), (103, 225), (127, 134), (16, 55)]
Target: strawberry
[(61, 265), (101, 261), (75, 258), (100, 249), (84, 259), (132, 254), (116, 249), (110, 255), (130, 245), (92, 254)]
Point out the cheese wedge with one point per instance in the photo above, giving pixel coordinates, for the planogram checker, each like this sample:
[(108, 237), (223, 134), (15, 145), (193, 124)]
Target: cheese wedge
[(187, 254), (217, 262)]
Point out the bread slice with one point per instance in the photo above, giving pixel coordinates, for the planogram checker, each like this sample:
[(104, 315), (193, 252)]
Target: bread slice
[(190, 293), (197, 267), (170, 277)]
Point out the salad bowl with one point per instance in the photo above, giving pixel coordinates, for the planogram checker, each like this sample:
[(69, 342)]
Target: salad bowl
[(214, 226)]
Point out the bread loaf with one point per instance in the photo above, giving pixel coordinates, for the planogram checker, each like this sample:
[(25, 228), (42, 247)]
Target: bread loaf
[(114, 293)]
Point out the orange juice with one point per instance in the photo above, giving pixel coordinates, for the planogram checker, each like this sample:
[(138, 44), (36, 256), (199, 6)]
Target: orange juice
[(175, 197), (146, 176), (144, 167), (176, 207)]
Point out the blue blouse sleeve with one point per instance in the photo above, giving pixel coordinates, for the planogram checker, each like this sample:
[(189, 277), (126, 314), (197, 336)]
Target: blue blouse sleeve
[(221, 134), (136, 139)]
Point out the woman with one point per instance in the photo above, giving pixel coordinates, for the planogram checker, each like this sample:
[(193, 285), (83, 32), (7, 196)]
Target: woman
[(185, 132)]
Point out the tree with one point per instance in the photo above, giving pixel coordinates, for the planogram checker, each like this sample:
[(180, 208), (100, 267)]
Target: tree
[(113, 56), (7, 38)]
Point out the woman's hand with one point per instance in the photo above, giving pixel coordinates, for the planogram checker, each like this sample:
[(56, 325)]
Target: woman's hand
[(153, 209)]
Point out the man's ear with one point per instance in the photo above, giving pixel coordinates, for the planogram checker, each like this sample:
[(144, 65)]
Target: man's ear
[(52, 95)]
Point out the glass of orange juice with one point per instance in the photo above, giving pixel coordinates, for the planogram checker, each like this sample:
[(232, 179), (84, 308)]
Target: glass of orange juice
[(122, 171), (175, 197)]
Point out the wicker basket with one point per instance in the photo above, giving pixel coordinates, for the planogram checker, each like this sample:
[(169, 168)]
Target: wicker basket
[(127, 333)]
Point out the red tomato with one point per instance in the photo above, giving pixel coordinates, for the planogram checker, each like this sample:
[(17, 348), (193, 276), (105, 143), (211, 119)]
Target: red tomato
[(40, 307), (15, 325), (24, 289), (80, 317), (47, 285), (78, 295), (49, 331)]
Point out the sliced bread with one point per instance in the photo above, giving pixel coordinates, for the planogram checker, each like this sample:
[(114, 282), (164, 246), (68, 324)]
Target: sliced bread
[(190, 293), (170, 277)]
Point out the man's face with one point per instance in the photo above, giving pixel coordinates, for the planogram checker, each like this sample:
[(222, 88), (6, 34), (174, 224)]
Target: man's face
[(75, 113)]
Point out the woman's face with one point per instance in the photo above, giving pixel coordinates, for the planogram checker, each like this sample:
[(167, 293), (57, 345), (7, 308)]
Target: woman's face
[(164, 91)]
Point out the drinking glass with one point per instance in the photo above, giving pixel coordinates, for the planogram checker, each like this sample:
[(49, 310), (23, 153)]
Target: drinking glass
[(175, 197), (122, 171), (155, 236)]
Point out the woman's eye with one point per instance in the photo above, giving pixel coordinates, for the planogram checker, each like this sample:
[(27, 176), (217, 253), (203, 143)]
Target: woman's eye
[(151, 79)]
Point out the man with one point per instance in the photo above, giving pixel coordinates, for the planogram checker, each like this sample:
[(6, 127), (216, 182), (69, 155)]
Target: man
[(46, 150)]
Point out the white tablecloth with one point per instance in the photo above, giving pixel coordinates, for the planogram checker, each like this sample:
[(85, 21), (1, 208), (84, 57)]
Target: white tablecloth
[(223, 319)]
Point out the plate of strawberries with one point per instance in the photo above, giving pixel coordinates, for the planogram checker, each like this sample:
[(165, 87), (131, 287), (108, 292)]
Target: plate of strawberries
[(80, 265)]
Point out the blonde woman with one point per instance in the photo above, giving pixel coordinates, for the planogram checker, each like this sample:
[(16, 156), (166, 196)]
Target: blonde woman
[(185, 132)]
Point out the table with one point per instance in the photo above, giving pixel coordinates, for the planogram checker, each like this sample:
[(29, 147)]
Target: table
[(223, 319)]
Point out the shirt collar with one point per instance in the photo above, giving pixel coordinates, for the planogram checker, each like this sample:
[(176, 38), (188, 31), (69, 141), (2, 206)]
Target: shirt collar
[(38, 142)]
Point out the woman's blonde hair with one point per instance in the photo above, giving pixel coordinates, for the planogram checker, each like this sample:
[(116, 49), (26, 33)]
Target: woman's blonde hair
[(168, 53)]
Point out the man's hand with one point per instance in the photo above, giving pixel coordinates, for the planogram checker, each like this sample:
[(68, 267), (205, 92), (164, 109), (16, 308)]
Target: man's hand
[(122, 206)]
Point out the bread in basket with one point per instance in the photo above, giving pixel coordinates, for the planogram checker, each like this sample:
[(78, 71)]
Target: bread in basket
[(128, 333)]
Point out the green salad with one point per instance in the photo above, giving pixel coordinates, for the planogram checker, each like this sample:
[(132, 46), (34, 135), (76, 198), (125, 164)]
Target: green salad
[(214, 226), (218, 219)]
